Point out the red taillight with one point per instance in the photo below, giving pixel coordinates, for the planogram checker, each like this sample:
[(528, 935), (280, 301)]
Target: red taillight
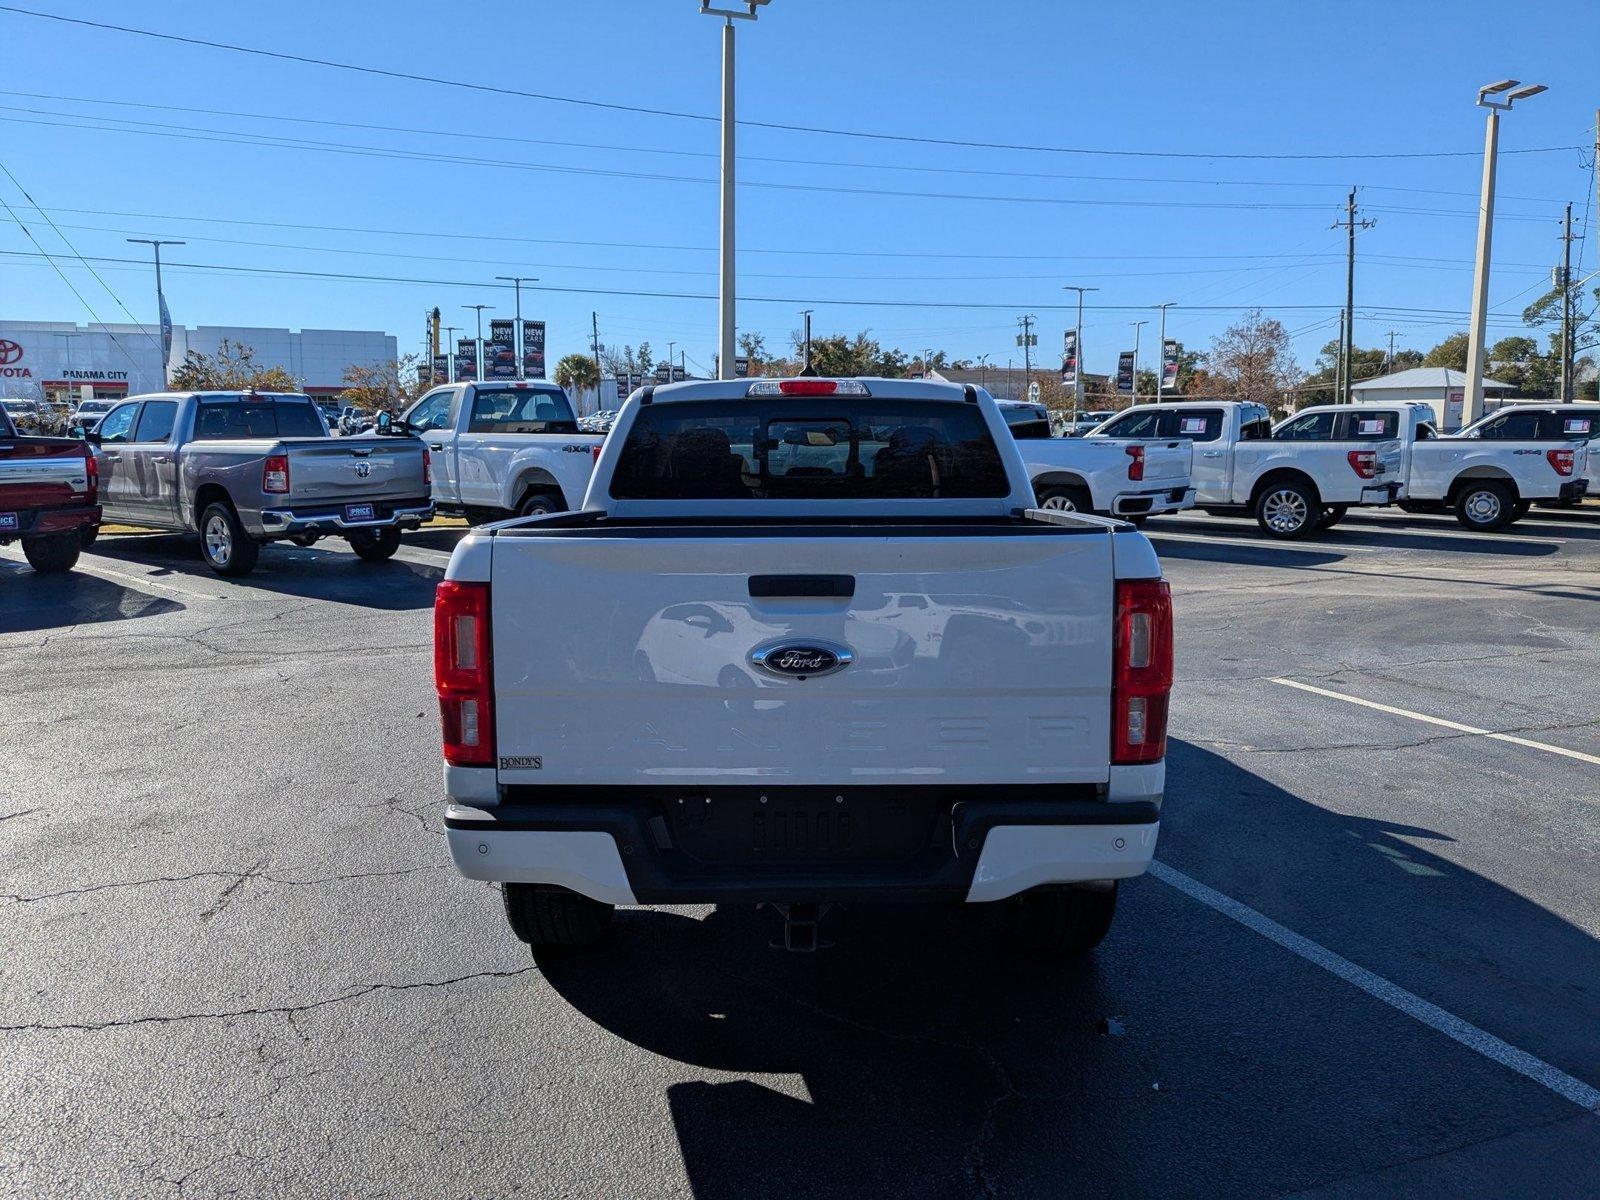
[(427, 465), (462, 673), (1560, 461), (93, 489), (1135, 462), (596, 450), (1364, 462), (275, 474), (1142, 671)]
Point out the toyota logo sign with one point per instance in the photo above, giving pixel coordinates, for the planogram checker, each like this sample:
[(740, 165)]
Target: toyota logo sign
[(10, 353)]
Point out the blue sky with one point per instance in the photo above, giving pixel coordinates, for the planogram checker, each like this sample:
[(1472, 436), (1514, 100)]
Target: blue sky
[(630, 203)]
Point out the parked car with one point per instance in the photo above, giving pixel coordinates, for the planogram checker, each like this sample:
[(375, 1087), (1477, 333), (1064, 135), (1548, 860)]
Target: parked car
[(1120, 477), (1301, 477), (331, 412), (859, 672), (245, 468), (88, 413), (503, 449), (1086, 423), (49, 497), (1554, 423), (24, 414), (354, 420)]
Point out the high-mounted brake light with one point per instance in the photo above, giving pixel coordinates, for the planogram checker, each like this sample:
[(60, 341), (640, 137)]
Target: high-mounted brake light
[(1364, 463), (1136, 462), (93, 490), (807, 387), (463, 674), (1560, 461), (427, 466), (275, 474), (1142, 671)]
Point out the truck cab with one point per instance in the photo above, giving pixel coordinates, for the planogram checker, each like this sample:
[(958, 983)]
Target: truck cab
[(504, 448)]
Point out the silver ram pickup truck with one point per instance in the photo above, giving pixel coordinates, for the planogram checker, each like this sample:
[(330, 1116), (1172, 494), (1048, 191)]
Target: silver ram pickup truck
[(245, 468)]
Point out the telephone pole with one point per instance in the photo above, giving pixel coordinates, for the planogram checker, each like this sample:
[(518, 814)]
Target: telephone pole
[(1388, 363), (805, 368), (594, 328), (1026, 340), (1566, 310), (1347, 339)]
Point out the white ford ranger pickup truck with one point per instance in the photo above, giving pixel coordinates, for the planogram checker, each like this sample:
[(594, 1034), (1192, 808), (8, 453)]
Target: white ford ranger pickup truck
[(807, 642)]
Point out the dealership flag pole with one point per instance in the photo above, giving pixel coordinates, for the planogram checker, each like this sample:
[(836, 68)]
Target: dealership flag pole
[(161, 303)]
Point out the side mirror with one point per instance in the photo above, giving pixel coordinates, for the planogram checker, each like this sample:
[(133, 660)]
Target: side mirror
[(77, 431), (92, 436), (384, 422)]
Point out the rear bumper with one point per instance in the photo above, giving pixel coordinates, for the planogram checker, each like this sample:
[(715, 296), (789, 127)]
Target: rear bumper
[(1142, 504), (625, 853), (1575, 490), (1381, 494), (42, 522), (329, 518)]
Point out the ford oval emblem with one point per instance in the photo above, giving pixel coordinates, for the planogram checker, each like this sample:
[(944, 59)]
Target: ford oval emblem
[(800, 660)]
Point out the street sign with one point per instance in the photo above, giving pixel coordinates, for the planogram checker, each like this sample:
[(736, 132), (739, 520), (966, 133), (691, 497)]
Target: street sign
[(1033, 391)]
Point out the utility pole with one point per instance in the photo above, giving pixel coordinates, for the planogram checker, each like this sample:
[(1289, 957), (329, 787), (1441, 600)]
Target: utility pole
[(517, 281), (1347, 339), (1388, 363), (1136, 328), (477, 365), (594, 329), (1472, 401), (1161, 354), (806, 367), (1566, 310), (1026, 339), (1077, 379), (671, 359), (450, 332), (161, 301), (1339, 365), (983, 370)]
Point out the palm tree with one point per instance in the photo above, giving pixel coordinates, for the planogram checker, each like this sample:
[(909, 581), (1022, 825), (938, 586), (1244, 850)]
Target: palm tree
[(576, 373)]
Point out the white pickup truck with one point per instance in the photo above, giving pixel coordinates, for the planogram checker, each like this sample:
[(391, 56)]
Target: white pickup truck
[(1131, 477), (1487, 474), (1293, 479), (503, 449), (806, 642)]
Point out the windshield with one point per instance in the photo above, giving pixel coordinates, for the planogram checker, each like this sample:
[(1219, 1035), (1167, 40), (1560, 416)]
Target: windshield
[(258, 417), (856, 448)]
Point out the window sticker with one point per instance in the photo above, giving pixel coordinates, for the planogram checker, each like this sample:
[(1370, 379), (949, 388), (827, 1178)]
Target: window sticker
[(1192, 425), (1369, 426), (1578, 425)]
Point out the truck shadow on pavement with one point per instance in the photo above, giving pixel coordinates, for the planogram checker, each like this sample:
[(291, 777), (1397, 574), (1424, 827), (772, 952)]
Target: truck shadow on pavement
[(924, 1054), (288, 570), (31, 602), (1331, 544)]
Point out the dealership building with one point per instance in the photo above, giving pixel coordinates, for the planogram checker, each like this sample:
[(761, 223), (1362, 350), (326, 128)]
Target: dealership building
[(63, 362)]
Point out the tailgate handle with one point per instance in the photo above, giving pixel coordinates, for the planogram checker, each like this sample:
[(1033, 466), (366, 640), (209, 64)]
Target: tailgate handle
[(767, 586)]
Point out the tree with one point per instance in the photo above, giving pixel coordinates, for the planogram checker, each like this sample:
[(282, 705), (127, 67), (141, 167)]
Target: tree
[(646, 361), (754, 347), (576, 373), (233, 368), (1253, 360), (1321, 386), (390, 386), (1452, 353)]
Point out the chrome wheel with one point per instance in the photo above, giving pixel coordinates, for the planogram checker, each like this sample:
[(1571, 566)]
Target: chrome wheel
[(1285, 511), (1058, 503), (1483, 508), (219, 540)]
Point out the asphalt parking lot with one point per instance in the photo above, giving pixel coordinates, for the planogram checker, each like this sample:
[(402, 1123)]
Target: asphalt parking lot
[(235, 959)]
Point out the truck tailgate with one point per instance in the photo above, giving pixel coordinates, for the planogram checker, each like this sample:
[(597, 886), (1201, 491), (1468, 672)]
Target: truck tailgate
[(979, 657), (355, 468), (1166, 459), (41, 472)]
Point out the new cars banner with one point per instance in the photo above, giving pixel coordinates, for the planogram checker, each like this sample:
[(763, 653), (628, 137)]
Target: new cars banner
[(1125, 372), (466, 358), (441, 368), (1171, 352), (533, 349), (1069, 358), (499, 353)]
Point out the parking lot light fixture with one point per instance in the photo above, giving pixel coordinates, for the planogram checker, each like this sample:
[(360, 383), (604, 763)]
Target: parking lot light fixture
[(161, 299), (516, 281), (1512, 90), (1077, 375), (477, 371)]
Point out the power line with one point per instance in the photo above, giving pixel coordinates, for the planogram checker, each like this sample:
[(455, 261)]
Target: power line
[(443, 81)]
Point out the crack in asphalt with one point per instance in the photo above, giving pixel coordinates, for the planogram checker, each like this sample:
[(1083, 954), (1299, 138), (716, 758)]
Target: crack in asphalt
[(239, 878), (15, 815), (288, 1011)]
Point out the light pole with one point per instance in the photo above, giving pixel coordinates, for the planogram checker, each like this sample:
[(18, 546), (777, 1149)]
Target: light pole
[(672, 354), (450, 332), (161, 301), (477, 358), (983, 369), (1161, 355), (726, 337), (1473, 400), (805, 368), (516, 281), (1136, 326), (1077, 337)]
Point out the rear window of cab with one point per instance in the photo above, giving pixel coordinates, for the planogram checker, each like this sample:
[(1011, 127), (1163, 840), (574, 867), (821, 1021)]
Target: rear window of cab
[(842, 448)]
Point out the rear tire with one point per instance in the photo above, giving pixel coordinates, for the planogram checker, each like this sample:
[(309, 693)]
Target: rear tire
[(87, 536), (539, 504), (226, 547), (1485, 506), (1287, 510), (53, 554), (1519, 510), (1065, 499), (1332, 515), (375, 545), (554, 917), (1065, 921)]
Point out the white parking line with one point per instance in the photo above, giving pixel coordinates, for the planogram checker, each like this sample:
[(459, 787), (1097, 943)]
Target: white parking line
[(91, 567), (1440, 721), (1257, 543), (1392, 994)]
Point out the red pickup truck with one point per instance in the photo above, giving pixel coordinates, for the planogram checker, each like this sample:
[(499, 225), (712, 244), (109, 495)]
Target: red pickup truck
[(49, 497)]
